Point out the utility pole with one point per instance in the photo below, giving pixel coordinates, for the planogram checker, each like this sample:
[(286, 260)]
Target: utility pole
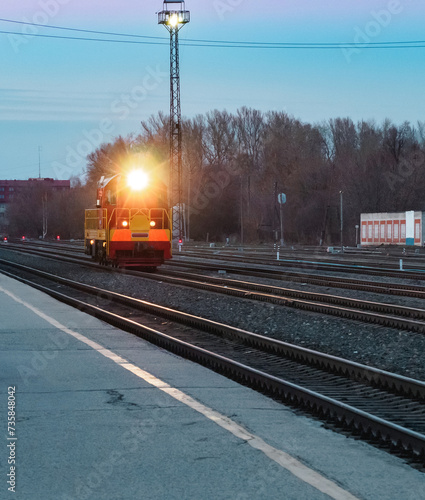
[(281, 198), (43, 197), (275, 216), (174, 17), (39, 162), (44, 203), (241, 210), (342, 220)]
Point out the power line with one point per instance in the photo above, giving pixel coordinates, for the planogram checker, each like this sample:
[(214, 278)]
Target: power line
[(82, 39), (132, 35), (254, 45), (81, 30), (213, 43)]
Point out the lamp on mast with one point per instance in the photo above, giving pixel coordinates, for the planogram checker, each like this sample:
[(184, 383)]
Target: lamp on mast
[(174, 16)]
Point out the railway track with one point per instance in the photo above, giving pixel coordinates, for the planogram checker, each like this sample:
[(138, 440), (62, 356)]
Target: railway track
[(265, 271), (387, 315), (381, 407), (413, 265), (408, 290), (416, 271), (390, 315)]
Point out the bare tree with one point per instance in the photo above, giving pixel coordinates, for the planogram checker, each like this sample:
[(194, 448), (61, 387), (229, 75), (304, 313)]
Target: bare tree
[(108, 159), (234, 165), (193, 162), (219, 138)]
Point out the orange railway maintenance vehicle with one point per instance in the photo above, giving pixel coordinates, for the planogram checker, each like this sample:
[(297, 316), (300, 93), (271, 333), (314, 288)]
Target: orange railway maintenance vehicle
[(132, 225)]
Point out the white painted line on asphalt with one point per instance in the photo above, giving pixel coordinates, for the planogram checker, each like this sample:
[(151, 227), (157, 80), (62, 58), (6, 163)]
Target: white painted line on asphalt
[(285, 460)]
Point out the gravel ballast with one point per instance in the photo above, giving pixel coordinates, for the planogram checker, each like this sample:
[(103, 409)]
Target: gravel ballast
[(385, 348)]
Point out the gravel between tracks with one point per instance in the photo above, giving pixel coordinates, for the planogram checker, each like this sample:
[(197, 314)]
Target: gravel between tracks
[(385, 348)]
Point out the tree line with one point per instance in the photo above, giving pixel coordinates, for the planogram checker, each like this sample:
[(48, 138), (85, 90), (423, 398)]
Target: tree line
[(235, 165), (39, 211)]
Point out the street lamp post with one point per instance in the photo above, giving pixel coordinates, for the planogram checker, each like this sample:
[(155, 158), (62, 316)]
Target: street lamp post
[(342, 220), (281, 198), (174, 16)]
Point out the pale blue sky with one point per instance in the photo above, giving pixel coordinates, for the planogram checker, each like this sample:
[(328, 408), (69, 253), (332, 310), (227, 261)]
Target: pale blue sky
[(68, 96)]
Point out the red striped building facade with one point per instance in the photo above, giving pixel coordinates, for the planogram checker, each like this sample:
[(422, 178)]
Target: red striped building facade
[(392, 228)]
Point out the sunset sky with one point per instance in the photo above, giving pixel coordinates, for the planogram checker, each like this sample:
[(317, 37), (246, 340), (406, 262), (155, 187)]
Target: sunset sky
[(67, 96)]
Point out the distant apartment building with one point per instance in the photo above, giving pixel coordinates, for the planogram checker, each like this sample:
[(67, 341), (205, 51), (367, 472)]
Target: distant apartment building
[(10, 189)]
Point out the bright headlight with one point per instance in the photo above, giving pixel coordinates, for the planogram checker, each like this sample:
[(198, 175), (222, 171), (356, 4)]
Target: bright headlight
[(137, 180)]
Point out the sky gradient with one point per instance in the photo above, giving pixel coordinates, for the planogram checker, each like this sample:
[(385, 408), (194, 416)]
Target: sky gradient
[(68, 96)]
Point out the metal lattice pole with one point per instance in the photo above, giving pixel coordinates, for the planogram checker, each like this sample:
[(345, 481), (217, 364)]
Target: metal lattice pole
[(173, 20), (175, 131)]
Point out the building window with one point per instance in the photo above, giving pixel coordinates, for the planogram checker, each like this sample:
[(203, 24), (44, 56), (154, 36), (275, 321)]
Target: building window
[(1, 196), (1, 188), (11, 189)]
